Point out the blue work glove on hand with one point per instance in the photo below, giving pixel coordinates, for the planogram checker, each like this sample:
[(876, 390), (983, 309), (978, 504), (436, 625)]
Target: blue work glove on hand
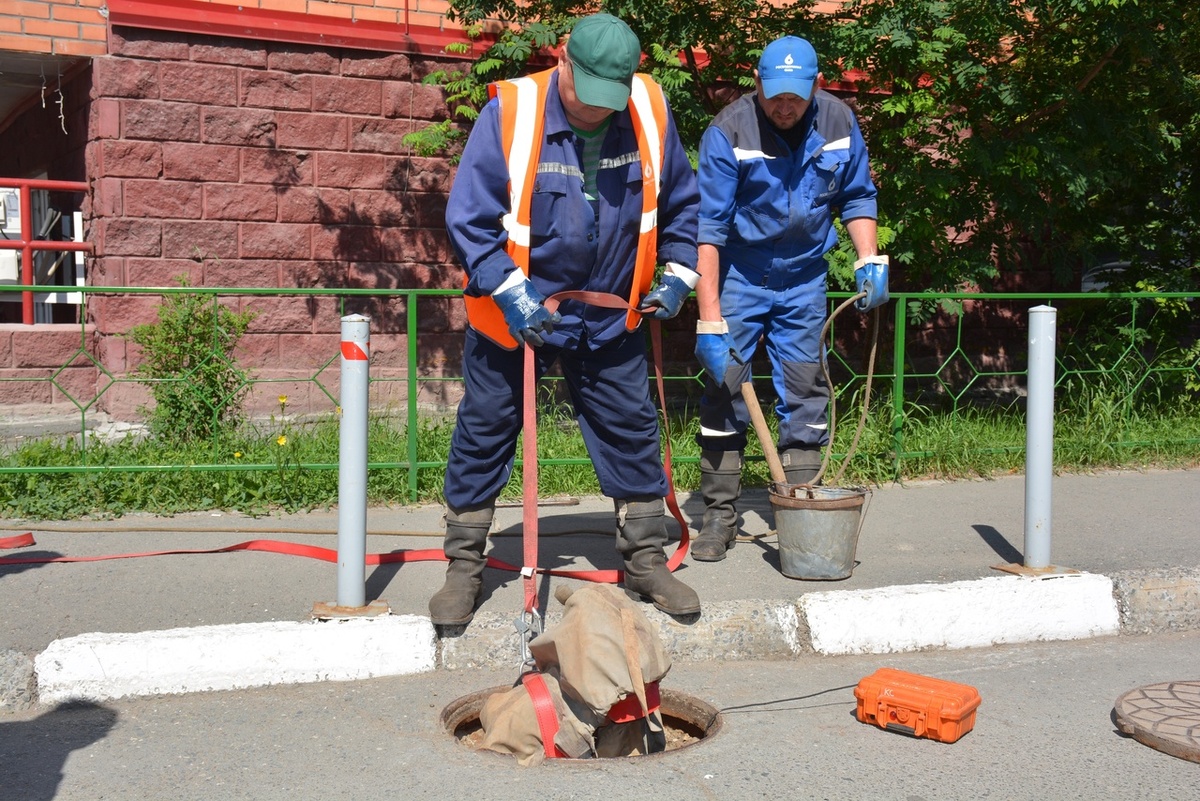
[(666, 299), (714, 348), (525, 314), (871, 276)]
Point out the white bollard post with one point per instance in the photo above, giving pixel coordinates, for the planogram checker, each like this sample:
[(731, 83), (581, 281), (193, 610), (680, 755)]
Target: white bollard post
[(1039, 435), (352, 463)]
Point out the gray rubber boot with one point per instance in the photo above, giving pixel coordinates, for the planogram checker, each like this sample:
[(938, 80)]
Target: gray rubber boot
[(801, 465), (721, 486), (466, 538), (641, 538)]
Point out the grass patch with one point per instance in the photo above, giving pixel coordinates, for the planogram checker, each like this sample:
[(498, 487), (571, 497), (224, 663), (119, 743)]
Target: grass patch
[(285, 465)]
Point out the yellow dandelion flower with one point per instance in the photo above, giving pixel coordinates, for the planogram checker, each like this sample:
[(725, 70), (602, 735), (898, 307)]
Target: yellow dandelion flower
[(237, 454), (283, 400), (281, 441)]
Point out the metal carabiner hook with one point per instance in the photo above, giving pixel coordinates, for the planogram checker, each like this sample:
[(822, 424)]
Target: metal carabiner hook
[(529, 625)]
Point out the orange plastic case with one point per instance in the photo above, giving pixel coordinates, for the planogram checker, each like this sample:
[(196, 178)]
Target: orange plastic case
[(917, 705)]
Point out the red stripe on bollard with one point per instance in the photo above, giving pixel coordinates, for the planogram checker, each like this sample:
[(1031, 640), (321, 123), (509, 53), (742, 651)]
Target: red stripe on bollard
[(352, 352)]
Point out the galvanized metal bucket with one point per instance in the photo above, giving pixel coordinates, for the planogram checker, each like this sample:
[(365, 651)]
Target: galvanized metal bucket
[(818, 529)]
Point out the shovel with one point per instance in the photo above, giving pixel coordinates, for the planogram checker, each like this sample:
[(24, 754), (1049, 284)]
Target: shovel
[(764, 435)]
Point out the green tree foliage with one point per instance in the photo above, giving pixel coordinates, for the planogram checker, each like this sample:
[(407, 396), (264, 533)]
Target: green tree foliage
[(1005, 134), (1052, 133), (695, 50)]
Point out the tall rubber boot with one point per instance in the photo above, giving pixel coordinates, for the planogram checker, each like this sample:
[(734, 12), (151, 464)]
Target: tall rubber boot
[(801, 465), (466, 538), (721, 486), (641, 537)]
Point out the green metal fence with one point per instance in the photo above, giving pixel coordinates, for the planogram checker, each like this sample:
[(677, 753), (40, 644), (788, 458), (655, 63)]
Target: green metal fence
[(968, 353)]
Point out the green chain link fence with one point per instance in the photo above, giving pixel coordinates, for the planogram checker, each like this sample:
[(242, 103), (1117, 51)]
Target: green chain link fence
[(1126, 352)]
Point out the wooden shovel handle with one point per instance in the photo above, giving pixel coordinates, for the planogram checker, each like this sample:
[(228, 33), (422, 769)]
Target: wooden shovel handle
[(764, 434)]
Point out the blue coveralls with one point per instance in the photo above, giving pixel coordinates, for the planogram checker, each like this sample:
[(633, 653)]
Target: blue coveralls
[(573, 245), (770, 211)]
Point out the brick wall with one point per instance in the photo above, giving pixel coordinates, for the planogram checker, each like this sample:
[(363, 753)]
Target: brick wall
[(42, 364), (419, 12), (61, 27), (244, 163), (78, 27)]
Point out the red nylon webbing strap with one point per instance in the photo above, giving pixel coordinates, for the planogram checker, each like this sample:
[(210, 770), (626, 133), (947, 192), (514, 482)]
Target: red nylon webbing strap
[(547, 715), (265, 546), (529, 483), (19, 541), (630, 708), (307, 551), (684, 534)]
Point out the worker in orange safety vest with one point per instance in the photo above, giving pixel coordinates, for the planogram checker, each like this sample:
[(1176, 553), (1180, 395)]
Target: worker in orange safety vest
[(571, 179)]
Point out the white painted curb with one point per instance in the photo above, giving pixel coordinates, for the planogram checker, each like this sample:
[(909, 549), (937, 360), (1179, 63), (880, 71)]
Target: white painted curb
[(962, 614), (101, 666)]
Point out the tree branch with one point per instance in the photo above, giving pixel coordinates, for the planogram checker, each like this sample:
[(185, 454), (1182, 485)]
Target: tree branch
[(1053, 108)]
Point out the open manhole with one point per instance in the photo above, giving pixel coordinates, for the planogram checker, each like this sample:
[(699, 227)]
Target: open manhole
[(686, 719)]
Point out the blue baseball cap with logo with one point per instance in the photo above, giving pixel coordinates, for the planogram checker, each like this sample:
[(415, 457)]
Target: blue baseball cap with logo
[(788, 66)]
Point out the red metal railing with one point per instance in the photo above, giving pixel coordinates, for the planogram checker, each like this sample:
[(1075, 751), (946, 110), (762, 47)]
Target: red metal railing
[(27, 244)]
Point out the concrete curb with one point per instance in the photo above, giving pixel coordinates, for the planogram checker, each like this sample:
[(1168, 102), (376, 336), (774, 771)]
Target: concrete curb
[(18, 684), (100, 666), (988, 611), (1153, 601)]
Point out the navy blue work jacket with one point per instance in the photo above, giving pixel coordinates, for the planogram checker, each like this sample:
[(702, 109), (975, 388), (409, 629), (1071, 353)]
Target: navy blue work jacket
[(572, 245)]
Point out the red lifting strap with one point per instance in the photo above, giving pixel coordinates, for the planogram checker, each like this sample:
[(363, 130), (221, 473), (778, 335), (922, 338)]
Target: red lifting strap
[(547, 715), (529, 484), (266, 546), (19, 541), (630, 709)]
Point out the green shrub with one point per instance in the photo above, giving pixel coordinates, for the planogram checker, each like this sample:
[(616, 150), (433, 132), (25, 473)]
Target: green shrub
[(188, 364)]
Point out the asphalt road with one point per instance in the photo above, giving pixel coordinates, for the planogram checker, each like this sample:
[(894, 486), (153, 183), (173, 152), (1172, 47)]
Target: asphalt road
[(1044, 731)]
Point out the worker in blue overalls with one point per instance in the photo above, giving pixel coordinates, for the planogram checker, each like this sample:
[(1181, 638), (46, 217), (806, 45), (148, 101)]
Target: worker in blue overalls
[(604, 197), (776, 167)]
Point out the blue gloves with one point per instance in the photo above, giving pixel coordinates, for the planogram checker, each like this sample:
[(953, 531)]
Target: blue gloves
[(525, 314), (871, 276), (714, 348), (666, 299)]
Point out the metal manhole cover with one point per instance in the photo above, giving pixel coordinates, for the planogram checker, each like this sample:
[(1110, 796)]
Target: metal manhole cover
[(1164, 716)]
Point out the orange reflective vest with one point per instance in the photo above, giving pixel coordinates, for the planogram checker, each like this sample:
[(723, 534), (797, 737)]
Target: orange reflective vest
[(522, 114)]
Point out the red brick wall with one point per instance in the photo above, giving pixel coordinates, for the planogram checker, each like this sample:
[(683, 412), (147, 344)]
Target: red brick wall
[(61, 27), (244, 163), (48, 137), (77, 27)]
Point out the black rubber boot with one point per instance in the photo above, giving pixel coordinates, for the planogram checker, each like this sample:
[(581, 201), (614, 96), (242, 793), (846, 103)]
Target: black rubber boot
[(641, 538), (721, 486), (466, 538), (801, 465)]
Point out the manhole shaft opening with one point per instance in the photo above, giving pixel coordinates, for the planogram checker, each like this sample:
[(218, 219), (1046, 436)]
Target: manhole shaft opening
[(688, 722)]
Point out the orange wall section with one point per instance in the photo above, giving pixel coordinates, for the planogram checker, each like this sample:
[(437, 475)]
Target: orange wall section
[(56, 27)]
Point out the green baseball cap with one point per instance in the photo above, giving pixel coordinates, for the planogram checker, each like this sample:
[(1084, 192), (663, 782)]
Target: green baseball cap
[(604, 54)]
